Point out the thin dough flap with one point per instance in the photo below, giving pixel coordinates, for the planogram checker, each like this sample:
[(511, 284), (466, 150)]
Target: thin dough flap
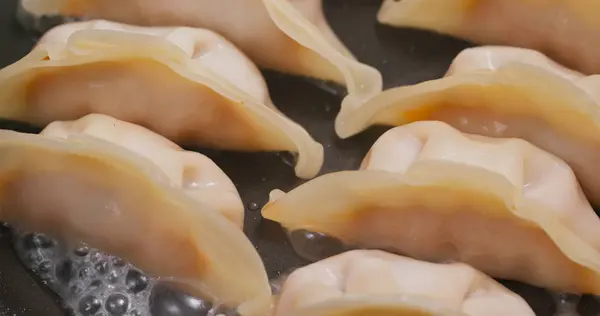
[(425, 190), (162, 78)]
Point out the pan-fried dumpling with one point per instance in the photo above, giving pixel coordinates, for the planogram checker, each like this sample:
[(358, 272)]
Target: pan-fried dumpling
[(505, 92), (196, 174), (565, 30), (286, 35), (375, 280), (428, 191), (189, 85), (87, 189)]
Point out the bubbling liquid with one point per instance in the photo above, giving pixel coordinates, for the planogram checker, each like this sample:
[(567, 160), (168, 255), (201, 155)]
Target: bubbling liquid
[(93, 283)]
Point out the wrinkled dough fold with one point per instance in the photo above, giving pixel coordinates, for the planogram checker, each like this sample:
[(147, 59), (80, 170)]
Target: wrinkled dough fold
[(85, 188), (373, 282), (289, 36), (565, 30), (189, 85), (425, 190), (194, 173), (505, 92)]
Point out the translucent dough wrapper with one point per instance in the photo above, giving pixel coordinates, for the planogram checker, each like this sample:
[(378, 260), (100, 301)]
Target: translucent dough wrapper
[(372, 282), (189, 85), (430, 192), (505, 92), (195, 174), (87, 189), (289, 36), (565, 30)]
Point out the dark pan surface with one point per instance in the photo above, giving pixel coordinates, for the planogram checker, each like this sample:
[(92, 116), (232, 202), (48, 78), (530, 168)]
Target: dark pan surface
[(403, 56)]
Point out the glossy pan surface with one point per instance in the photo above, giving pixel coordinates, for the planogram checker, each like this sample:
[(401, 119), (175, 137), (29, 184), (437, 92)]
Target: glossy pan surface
[(403, 56)]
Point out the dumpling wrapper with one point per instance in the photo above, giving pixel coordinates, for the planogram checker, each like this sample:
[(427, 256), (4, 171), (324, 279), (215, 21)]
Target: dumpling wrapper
[(82, 188), (196, 174), (430, 192), (505, 92), (567, 31), (286, 35), (189, 85), (370, 280)]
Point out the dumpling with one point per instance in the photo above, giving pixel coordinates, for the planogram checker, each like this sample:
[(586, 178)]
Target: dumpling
[(289, 36), (427, 191), (196, 174), (373, 280), (565, 30), (505, 92), (189, 85), (87, 189)]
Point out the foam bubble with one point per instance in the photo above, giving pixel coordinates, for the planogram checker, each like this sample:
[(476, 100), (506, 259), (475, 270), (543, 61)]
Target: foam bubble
[(94, 283)]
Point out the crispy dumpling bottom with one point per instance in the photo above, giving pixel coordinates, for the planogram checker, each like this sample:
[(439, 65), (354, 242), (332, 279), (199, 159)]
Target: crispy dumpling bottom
[(227, 118), (86, 189)]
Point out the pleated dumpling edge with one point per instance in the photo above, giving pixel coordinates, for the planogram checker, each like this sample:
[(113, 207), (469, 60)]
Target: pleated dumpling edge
[(504, 92), (116, 201), (347, 285), (423, 182), (164, 79), (289, 36), (362, 81), (197, 175)]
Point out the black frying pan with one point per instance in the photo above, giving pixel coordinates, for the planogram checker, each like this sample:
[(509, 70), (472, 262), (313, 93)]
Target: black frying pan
[(403, 57)]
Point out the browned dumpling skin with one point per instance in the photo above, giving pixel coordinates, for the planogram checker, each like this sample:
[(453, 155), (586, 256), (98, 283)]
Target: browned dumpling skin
[(567, 31), (426, 190)]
